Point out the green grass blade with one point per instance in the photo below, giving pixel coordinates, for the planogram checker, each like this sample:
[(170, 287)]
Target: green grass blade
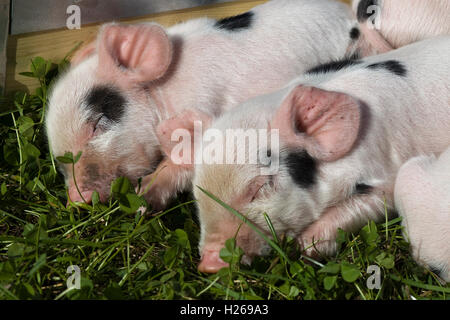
[(420, 285)]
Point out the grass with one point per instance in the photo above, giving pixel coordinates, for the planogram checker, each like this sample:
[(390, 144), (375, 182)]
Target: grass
[(123, 254)]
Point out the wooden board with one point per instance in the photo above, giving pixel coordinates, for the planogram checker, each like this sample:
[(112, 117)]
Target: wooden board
[(55, 45), (4, 26)]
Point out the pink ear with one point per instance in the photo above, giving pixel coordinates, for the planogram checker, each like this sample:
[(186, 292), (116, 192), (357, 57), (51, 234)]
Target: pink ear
[(141, 53), (371, 41), (325, 123), (184, 121), (83, 53)]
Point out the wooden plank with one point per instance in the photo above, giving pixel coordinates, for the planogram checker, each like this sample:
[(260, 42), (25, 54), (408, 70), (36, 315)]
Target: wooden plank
[(27, 16), (4, 29), (54, 45)]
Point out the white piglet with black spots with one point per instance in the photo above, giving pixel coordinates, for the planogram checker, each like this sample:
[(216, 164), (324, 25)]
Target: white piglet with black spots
[(391, 24), (126, 93), (344, 129)]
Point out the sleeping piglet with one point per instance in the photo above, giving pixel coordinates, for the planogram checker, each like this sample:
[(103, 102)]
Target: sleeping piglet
[(422, 198), (344, 130), (126, 93), (388, 24)]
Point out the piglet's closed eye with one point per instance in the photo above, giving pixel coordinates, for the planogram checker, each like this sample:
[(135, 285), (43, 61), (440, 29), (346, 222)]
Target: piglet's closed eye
[(325, 123), (254, 188)]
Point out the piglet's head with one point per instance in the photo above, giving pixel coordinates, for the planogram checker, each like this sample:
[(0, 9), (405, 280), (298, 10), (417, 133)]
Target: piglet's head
[(102, 106), (316, 127)]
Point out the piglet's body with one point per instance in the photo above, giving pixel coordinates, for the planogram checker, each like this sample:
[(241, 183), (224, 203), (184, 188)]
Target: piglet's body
[(345, 130), (388, 24), (127, 93), (422, 197)]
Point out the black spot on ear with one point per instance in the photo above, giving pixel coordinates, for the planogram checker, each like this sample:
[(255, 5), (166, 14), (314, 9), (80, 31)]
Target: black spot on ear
[(362, 188), (107, 101), (362, 12), (355, 33), (242, 21), (393, 66), (302, 168), (335, 65)]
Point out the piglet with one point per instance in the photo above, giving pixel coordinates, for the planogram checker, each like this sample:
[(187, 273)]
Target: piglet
[(422, 198), (126, 94), (388, 24), (344, 131)]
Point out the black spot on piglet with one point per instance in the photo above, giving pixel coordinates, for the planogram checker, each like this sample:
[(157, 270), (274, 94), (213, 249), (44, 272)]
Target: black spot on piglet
[(355, 33), (393, 66), (242, 21), (335, 65), (302, 168), (107, 101)]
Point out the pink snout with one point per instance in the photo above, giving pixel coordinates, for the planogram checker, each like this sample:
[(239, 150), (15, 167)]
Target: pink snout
[(211, 262), (75, 196)]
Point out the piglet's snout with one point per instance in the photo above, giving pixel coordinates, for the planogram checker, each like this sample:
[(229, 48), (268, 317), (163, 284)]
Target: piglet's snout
[(83, 196), (211, 262)]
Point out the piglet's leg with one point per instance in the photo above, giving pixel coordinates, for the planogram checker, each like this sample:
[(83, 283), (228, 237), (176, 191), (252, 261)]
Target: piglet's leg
[(162, 185), (350, 216)]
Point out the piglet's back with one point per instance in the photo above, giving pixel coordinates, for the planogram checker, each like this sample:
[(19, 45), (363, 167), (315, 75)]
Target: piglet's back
[(406, 91)]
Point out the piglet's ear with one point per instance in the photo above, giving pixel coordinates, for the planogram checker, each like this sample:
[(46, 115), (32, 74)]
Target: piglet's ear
[(84, 53), (325, 123), (176, 135), (141, 53)]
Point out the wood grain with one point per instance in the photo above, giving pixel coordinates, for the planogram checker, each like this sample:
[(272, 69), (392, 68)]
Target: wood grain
[(55, 45)]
